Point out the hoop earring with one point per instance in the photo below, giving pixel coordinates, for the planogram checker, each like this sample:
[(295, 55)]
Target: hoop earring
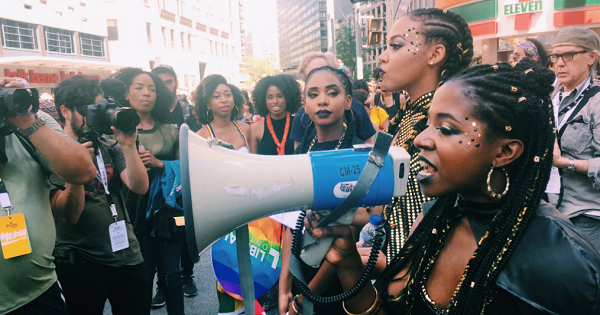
[(208, 114), (348, 121), (302, 118), (235, 117), (489, 187)]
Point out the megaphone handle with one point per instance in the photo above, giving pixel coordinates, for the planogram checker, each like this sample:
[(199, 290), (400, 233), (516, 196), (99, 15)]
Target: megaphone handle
[(314, 249)]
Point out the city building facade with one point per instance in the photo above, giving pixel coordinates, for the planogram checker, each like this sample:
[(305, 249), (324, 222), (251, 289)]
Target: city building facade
[(498, 25), (44, 41), (307, 25), (260, 30), (195, 37)]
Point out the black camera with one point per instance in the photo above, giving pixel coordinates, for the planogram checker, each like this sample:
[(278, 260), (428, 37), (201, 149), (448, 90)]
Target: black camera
[(100, 117), (15, 102)]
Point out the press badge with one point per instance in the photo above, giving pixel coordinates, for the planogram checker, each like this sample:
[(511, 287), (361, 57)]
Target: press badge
[(14, 237), (118, 236)]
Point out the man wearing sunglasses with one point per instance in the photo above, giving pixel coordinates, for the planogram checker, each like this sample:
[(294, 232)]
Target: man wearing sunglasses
[(97, 254), (576, 100)]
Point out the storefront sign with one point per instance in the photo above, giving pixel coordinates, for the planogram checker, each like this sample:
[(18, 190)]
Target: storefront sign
[(523, 7), (34, 77)]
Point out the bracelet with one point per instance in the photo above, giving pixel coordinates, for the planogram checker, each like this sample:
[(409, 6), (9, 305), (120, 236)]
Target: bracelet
[(296, 301), (374, 309), (34, 127), (294, 306)]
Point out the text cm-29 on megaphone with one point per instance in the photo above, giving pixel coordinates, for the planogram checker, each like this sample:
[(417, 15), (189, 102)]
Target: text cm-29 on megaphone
[(224, 189)]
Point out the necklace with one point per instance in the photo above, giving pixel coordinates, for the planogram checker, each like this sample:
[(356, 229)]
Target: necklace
[(338, 144), (280, 145)]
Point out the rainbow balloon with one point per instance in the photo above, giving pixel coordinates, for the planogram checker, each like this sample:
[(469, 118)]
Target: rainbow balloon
[(266, 237)]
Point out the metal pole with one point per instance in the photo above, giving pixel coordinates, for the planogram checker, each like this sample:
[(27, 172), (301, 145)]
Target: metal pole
[(359, 63)]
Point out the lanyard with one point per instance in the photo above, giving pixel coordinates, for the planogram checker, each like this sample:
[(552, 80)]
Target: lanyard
[(103, 178), (571, 107)]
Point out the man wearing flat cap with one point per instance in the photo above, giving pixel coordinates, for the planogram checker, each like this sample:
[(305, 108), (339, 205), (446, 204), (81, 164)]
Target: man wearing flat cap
[(576, 103)]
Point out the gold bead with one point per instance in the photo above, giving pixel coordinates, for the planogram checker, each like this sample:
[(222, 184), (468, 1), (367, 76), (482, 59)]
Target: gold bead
[(508, 128), (513, 89), (528, 70), (522, 99), (536, 159), (495, 67)]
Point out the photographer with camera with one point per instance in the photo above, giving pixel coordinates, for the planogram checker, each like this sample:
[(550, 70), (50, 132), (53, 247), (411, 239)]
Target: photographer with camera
[(97, 254), (32, 145)]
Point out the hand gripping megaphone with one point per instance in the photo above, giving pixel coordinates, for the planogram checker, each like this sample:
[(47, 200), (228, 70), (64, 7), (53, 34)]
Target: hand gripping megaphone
[(224, 189)]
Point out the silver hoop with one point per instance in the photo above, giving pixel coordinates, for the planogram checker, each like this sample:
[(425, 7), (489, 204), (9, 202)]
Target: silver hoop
[(489, 187)]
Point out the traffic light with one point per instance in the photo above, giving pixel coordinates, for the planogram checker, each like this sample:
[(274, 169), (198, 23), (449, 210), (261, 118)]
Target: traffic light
[(374, 31)]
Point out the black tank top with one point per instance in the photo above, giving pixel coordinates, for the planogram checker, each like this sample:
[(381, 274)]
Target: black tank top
[(267, 146)]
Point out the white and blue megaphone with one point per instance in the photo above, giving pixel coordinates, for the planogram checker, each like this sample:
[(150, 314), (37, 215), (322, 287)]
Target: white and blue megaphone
[(224, 189)]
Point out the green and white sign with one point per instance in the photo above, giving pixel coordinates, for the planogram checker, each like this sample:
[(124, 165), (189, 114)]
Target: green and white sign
[(523, 7)]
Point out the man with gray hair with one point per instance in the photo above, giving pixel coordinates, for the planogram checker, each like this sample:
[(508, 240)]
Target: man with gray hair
[(577, 111)]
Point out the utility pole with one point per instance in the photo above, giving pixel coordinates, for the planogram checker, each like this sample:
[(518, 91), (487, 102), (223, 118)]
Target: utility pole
[(358, 29)]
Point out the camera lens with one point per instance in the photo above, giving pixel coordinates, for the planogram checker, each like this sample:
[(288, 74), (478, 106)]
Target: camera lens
[(124, 119)]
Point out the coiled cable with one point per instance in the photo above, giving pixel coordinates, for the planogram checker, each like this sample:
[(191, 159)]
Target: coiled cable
[(352, 292)]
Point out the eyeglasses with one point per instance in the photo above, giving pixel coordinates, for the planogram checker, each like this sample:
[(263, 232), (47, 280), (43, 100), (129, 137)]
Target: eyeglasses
[(566, 57)]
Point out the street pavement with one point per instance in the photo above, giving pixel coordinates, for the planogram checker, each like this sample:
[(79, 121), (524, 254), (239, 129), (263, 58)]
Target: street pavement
[(205, 302)]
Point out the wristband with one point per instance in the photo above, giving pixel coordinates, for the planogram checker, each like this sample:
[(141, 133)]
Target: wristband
[(33, 128)]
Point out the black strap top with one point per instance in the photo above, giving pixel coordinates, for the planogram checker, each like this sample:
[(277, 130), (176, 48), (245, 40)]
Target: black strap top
[(267, 146)]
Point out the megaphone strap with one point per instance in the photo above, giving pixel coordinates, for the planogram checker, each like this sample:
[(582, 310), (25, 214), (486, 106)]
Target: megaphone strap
[(244, 263), (366, 179)]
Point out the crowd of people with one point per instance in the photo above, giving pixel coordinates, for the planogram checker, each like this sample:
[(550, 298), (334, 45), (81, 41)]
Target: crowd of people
[(501, 213)]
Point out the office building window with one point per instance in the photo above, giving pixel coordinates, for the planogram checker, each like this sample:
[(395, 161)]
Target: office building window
[(182, 41), (149, 32), (151, 63), (19, 35), (172, 38), (111, 28), (92, 45), (60, 41), (190, 42), (164, 34)]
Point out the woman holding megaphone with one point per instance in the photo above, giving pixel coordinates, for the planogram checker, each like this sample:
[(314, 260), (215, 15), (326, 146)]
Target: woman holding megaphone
[(488, 244), (328, 99)]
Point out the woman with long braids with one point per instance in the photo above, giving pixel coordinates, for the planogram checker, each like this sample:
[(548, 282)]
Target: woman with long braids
[(488, 244), (276, 98), (328, 103), (218, 105), (426, 47)]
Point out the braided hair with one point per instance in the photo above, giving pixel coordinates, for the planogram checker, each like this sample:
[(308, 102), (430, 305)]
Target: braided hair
[(503, 96), (451, 30), (348, 115)]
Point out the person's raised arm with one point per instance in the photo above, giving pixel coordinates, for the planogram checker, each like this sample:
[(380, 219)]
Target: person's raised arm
[(68, 159), (134, 176)]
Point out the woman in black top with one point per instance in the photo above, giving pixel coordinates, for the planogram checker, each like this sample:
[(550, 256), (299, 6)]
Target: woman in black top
[(488, 244), (328, 102), (276, 98)]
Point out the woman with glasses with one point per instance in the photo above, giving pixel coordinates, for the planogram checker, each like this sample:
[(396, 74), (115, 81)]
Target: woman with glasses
[(532, 49)]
